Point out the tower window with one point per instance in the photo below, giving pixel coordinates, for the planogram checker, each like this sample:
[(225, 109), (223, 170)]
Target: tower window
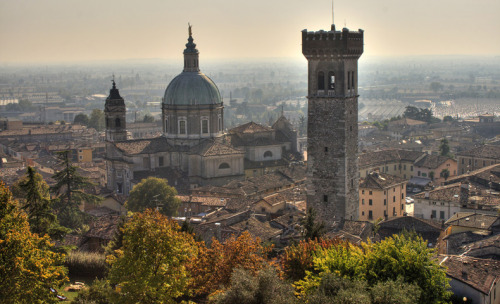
[(166, 125), (348, 80), (182, 127), (352, 80), (160, 161), (118, 123), (204, 126), (325, 198), (326, 149), (321, 81), (331, 81), (268, 154)]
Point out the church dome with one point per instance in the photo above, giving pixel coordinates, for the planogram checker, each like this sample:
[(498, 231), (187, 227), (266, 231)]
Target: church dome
[(192, 88)]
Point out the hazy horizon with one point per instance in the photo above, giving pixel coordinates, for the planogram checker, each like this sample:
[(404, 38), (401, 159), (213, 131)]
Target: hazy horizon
[(52, 31)]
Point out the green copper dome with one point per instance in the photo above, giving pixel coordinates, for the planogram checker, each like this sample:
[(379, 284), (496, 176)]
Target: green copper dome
[(192, 88)]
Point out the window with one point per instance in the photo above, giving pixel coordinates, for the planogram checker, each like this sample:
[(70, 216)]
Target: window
[(394, 211), (325, 198), (433, 214), (118, 123), (402, 207), (166, 125), (348, 80), (224, 166), (394, 190), (362, 201), (81, 157), (145, 162), (220, 124), (393, 199), (119, 188), (362, 191), (160, 161), (182, 127), (204, 126), (370, 215), (370, 202), (268, 154), (441, 215), (326, 149), (385, 212), (411, 168), (363, 213), (385, 201), (352, 80), (418, 173), (321, 81), (402, 195), (331, 81), (395, 167), (370, 192)]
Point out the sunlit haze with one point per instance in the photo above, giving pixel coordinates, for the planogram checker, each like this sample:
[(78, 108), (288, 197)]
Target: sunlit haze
[(55, 30)]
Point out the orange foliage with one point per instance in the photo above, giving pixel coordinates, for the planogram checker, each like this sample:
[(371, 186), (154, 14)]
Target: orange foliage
[(213, 267)]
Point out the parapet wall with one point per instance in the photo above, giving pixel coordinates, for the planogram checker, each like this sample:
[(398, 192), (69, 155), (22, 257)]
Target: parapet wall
[(334, 43)]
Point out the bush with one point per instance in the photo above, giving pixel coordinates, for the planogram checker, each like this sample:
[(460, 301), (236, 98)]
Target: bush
[(97, 293), (86, 263)]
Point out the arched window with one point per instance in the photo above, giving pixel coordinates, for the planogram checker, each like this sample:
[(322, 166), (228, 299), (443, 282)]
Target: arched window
[(331, 81), (321, 81), (224, 166), (268, 154), (118, 123)]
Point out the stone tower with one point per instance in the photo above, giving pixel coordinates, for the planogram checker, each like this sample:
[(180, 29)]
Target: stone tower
[(114, 111), (332, 130)]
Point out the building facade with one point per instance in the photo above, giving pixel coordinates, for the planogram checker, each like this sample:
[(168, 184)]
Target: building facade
[(332, 132)]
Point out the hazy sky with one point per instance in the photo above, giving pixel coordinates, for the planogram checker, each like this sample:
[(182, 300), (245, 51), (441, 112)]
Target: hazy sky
[(70, 30)]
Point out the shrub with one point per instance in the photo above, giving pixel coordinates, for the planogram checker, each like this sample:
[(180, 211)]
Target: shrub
[(86, 263)]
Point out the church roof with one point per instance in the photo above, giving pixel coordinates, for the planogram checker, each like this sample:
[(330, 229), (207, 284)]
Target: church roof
[(214, 148), (192, 88), (250, 127), (143, 146)]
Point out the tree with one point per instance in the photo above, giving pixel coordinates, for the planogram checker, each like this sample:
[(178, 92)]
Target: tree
[(96, 120), (302, 125), (148, 118), (404, 257), (312, 229), (444, 147), (81, 119), (431, 175), (436, 86), (445, 173), (264, 288), (70, 190), (213, 267), (150, 266), (448, 118), (29, 267), (153, 192), (37, 204)]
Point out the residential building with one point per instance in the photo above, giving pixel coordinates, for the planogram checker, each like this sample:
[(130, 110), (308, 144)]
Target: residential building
[(470, 160), (381, 196)]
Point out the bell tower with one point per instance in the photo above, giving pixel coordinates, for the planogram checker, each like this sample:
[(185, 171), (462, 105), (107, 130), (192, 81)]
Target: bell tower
[(332, 130), (114, 111)]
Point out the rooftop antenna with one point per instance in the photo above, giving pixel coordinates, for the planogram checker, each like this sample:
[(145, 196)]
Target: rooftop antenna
[(345, 23), (332, 14)]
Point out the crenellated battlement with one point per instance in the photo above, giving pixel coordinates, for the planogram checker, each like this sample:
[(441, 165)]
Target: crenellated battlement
[(332, 43)]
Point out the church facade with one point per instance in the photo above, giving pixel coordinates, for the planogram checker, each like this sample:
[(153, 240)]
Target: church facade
[(193, 149)]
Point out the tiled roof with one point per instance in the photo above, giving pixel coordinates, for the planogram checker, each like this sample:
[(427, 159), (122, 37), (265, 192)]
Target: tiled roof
[(481, 274), (144, 146), (429, 230), (103, 227), (431, 161), (263, 230), (449, 193), (204, 200), (473, 220), (214, 148), (407, 122), (250, 127), (486, 151), (377, 180), (382, 157)]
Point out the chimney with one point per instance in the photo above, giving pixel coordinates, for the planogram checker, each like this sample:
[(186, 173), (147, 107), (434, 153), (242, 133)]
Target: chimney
[(464, 193), (218, 233)]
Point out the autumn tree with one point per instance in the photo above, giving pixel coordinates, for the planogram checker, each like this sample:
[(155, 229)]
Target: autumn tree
[(150, 267), (34, 192), (29, 267), (71, 191), (153, 192), (212, 269)]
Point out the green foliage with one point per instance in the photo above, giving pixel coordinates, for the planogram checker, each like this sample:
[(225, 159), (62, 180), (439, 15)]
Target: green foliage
[(419, 114), (148, 118), (264, 288), (117, 241), (98, 293), (448, 118), (312, 229), (402, 257), (82, 119), (150, 267), (70, 189), (444, 148), (96, 120), (445, 173), (436, 86), (29, 267), (91, 264), (153, 192), (431, 175), (395, 292), (36, 202)]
